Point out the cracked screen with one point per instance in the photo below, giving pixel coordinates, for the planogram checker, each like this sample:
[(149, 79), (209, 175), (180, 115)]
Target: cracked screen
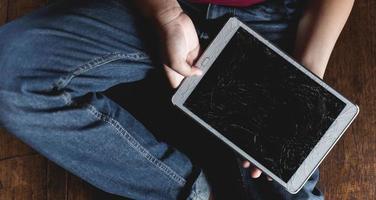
[(264, 105)]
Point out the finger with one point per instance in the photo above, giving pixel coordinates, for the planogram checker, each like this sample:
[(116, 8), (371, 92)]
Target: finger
[(183, 68), (173, 77), (269, 179), (246, 164), (255, 173), (196, 71)]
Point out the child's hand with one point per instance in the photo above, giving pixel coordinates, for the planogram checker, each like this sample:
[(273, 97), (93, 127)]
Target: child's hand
[(181, 47)]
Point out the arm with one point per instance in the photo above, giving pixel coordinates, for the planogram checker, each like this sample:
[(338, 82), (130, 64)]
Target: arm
[(318, 31), (161, 12)]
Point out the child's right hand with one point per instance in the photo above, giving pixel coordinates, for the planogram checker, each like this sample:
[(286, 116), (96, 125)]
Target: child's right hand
[(181, 46)]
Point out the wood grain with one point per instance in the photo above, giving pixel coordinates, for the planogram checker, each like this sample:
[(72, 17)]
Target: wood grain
[(23, 178), (11, 147), (62, 185), (17, 8), (57, 184), (80, 190), (3, 11)]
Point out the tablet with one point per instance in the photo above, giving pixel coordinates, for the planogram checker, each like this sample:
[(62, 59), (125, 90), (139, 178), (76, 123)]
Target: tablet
[(264, 105)]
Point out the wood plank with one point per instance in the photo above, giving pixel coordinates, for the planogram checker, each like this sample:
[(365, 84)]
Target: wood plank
[(12, 147), (80, 190), (3, 11), (23, 178), (349, 172), (21, 7), (56, 182)]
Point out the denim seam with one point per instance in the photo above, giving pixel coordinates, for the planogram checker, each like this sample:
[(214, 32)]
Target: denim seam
[(97, 62), (67, 97), (136, 145)]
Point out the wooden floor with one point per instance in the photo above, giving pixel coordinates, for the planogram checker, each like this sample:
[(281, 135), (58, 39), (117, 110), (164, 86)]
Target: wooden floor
[(349, 172)]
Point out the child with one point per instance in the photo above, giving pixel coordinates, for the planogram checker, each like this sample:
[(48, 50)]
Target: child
[(56, 62)]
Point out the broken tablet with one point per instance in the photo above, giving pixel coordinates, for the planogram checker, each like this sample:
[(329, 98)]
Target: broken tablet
[(264, 105)]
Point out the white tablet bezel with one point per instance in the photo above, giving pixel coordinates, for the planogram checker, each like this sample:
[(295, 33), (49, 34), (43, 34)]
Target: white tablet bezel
[(320, 150)]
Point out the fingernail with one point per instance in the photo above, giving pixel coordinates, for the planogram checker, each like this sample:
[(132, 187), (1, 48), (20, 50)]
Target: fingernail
[(198, 72)]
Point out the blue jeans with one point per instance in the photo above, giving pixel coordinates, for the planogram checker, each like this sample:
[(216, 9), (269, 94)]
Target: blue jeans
[(57, 65)]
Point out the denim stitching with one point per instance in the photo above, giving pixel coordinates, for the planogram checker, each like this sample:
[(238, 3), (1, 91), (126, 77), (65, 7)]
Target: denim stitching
[(137, 146), (67, 97), (97, 62)]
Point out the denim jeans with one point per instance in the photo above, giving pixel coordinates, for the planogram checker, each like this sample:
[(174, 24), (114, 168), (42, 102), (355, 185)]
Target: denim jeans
[(57, 64)]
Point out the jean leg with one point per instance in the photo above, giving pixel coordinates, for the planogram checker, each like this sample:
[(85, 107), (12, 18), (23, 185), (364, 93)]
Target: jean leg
[(55, 64)]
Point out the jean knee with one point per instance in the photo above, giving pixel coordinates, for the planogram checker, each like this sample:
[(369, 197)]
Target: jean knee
[(20, 58)]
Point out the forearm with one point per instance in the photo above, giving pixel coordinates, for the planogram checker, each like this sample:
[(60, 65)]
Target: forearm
[(160, 12), (318, 31)]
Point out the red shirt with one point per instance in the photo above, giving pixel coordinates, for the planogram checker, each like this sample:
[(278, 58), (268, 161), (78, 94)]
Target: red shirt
[(238, 3)]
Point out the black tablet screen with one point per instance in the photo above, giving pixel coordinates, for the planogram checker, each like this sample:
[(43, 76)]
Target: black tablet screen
[(264, 104)]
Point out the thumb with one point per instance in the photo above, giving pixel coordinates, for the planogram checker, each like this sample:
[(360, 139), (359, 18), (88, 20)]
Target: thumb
[(176, 78), (182, 67)]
